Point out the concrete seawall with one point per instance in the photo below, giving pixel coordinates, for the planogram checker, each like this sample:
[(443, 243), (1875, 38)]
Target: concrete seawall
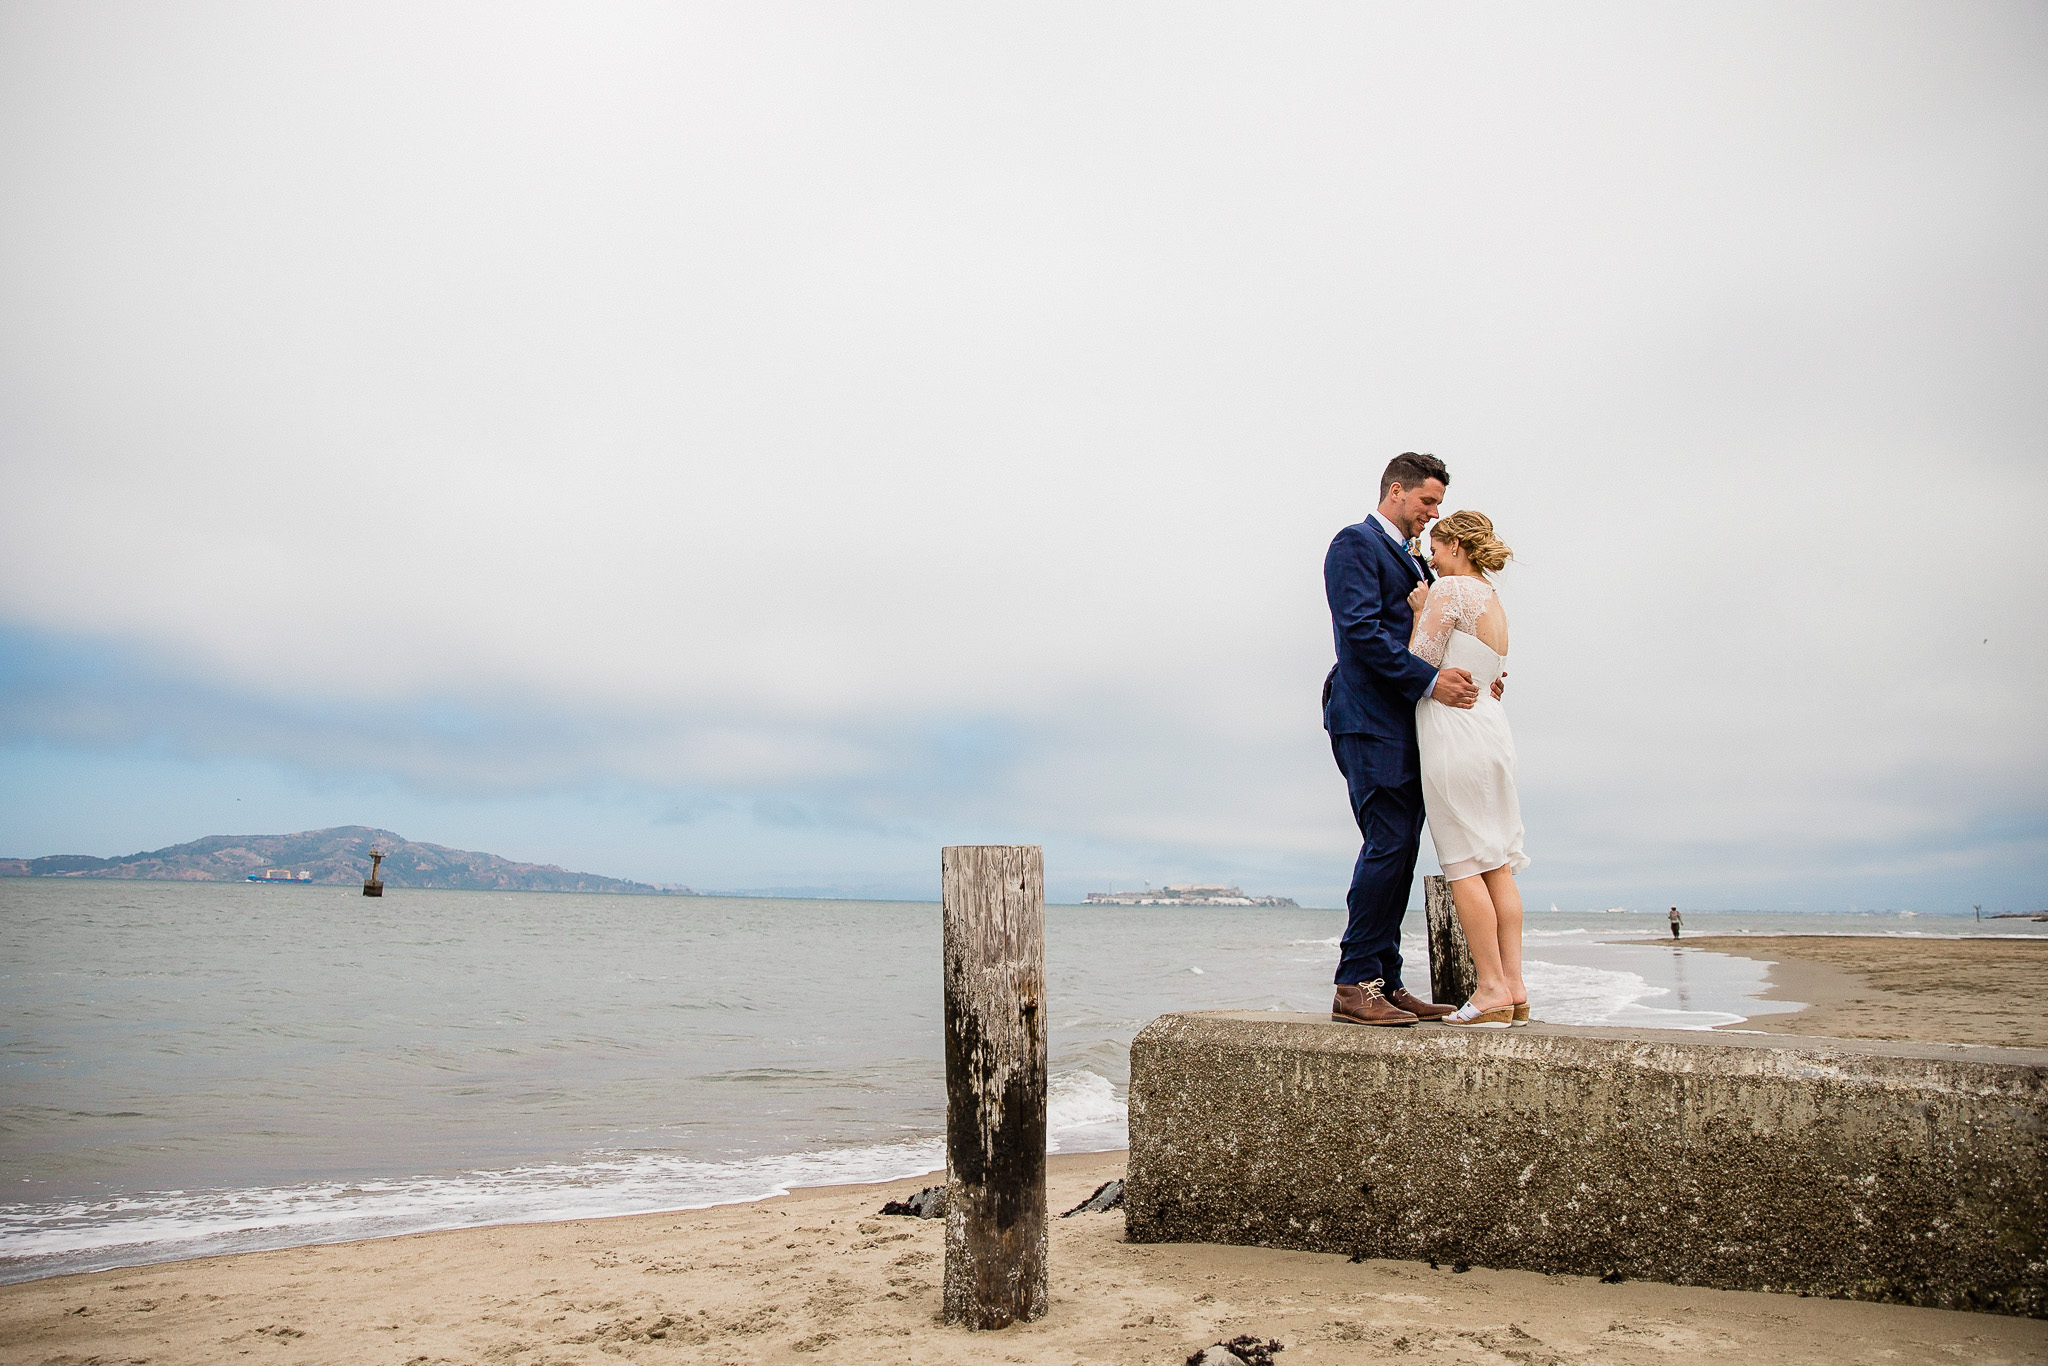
[(1915, 1173)]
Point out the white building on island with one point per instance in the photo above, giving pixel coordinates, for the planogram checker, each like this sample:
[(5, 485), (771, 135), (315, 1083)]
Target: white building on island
[(1186, 894)]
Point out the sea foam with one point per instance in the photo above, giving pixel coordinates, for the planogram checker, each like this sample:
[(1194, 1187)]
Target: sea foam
[(1083, 1114)]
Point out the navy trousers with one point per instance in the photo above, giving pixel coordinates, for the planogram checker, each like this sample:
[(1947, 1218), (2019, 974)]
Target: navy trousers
[(1390, 823)]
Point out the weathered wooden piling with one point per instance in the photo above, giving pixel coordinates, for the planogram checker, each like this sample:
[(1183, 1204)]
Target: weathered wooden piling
[(995, 1083), (1452, 978)]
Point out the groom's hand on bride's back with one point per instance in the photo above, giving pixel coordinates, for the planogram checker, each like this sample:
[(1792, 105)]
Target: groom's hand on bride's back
[(1455, 688), (1500, 685)]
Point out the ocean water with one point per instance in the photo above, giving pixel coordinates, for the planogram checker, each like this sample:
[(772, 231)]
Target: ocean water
[(194, 1068)]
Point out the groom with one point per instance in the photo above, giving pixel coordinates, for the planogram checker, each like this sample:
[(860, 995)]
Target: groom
[(1369, 702)]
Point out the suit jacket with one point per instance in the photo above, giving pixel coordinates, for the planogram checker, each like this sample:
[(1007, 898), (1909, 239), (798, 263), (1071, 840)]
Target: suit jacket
[(1375, 684)]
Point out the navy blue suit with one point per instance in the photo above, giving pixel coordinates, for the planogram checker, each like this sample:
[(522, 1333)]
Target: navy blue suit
[(1369, 709)]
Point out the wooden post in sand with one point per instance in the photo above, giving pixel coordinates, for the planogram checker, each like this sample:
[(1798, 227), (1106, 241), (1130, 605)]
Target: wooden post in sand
[(1452, 978), (995, 1083)]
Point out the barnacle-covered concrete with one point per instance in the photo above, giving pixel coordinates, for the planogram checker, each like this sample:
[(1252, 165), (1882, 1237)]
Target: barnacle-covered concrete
[(1851, 1168)]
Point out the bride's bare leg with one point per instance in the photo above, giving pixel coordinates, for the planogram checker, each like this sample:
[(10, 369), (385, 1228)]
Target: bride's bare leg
[(1482, 936), (1507, 919)]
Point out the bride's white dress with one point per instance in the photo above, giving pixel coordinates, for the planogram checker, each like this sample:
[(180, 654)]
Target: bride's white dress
[(1468, 756)]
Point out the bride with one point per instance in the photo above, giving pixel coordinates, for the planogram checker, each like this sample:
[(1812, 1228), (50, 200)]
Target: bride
[(1468, 764)]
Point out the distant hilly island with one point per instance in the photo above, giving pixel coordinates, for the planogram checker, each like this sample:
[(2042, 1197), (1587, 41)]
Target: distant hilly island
[(340, 855)]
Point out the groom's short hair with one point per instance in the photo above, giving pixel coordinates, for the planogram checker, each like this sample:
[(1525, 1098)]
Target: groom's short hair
[(1412, 470)]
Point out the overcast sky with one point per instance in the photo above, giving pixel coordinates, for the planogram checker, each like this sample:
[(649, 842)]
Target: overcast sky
[(753, 446)]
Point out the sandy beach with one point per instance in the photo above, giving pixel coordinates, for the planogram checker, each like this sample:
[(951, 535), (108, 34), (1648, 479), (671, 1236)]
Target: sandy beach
[(819, 1275), (1985, 991)]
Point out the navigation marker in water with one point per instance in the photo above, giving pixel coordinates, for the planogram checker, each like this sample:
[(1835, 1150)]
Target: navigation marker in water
[(375, 886)]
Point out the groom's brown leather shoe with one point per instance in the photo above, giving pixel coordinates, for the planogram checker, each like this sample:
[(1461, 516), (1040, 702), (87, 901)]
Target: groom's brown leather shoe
[(1419, 1008), (1361, 1003)]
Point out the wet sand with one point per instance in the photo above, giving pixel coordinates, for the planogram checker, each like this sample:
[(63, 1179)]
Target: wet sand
[(817, 1276), (1985, 991)]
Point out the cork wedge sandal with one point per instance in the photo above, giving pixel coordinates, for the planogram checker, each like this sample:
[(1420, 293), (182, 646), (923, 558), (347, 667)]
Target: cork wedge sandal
[(1469, 1016)]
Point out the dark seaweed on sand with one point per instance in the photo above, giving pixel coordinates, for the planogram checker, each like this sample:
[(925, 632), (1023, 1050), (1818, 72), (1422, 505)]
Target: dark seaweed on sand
[(1248, 1348), (1108, 1196), (929, 1203)]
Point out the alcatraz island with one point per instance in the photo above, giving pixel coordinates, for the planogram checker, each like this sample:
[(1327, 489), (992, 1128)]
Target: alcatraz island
[(1187, 894)]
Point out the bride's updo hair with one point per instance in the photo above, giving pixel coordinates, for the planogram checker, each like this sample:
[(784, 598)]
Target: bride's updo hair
[(1473, 533)]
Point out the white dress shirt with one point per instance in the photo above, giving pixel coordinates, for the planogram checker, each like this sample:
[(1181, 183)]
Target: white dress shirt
[(1391, 530), (1395, 533)]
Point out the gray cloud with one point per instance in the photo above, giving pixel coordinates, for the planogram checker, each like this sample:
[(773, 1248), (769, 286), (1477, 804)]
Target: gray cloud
[(912, 420)]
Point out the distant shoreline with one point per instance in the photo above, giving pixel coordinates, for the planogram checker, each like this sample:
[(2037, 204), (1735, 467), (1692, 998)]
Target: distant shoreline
[(389, 883), (1970, 989), (1653, 932), (337, 856)]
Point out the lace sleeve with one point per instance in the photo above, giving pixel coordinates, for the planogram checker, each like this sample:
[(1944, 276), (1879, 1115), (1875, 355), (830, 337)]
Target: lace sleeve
[(1434, 626), (1452, 605)]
